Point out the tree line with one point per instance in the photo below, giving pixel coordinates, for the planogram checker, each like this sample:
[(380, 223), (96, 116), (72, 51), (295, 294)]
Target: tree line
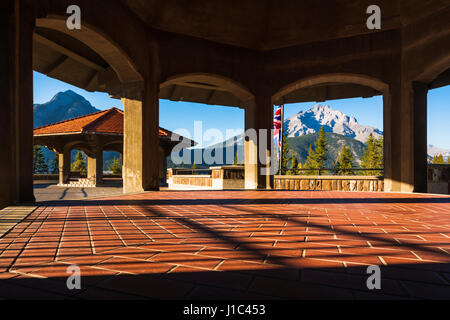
[(40, 165), (373, 158), (439, 159)]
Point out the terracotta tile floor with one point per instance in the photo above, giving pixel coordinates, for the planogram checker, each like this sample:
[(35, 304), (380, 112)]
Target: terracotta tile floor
[(232, 245)]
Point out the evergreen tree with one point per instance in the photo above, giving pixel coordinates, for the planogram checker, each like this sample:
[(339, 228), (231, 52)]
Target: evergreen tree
[(235, 163), (344, 163), (79, 165), (310, 162), (116, 166), (373, 156), (299, 166), (380, 156), (293, 165), (317, 157), (54, 165), (321, 149), (39, 161), (439, 159), (284, 155)]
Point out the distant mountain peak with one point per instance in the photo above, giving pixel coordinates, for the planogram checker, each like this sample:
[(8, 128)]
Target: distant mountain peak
[(435, 151), (324, 109), (63, 106), (68, 95), (335, 121)]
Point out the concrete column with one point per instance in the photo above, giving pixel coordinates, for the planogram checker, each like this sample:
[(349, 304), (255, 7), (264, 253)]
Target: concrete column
[(16, 94), (395, 122), (258, 173), (64, 166), (141, 141), (420, 136), (95, 167), (406, 136), (392, 142), (251, 149), (162, 165)]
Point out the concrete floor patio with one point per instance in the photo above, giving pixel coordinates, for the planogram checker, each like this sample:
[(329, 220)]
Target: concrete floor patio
[(232, 245)]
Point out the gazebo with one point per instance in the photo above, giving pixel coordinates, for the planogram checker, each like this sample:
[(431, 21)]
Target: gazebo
[(93, 134)]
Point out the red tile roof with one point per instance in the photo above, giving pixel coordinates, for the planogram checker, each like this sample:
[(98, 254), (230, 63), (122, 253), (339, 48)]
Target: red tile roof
[(108, 121)]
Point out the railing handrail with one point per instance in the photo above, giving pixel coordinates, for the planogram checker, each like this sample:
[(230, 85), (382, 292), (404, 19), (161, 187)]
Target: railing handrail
[(334, 171), (187, 171)]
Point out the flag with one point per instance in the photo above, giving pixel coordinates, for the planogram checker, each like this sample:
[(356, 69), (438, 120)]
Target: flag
[(277, 130)]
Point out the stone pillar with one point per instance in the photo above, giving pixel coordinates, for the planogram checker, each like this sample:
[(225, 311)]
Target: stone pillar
[(162, 165), (64, 166), (258, 173), (420, 136), (251, 149), (95, 167), (396, 126), (392, 142), (141, 140), (406, 136), (16, 94)]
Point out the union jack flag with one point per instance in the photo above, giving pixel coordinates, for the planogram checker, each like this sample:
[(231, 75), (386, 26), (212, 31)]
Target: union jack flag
[(277, 132)]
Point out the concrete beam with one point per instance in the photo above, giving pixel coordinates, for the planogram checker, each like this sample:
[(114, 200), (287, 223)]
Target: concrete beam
[(55, 64), (55, 46)]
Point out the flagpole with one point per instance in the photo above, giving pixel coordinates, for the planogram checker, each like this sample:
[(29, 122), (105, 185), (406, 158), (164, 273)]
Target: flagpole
[(281, 137)]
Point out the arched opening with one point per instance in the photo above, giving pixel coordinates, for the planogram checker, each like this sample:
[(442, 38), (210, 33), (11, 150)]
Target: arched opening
[(213, 110), (352, 153), (113, 163), (90, 63), (90, 47)]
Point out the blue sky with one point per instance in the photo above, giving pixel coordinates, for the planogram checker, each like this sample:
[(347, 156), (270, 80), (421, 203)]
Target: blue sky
[(176, 115), (368, 111), (439, 117)]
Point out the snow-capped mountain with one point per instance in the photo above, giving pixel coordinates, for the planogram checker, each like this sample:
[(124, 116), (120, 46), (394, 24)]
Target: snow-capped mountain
[(310, 121), (435, 151), (63, 106)]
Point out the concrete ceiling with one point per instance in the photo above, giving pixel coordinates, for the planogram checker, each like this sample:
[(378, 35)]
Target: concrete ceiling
[(269, 24), (254, 24), (328, 91), (62, 57), (442, 80)]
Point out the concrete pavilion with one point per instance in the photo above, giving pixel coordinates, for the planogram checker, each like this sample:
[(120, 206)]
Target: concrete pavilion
[(93, 134), (247, 54)]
